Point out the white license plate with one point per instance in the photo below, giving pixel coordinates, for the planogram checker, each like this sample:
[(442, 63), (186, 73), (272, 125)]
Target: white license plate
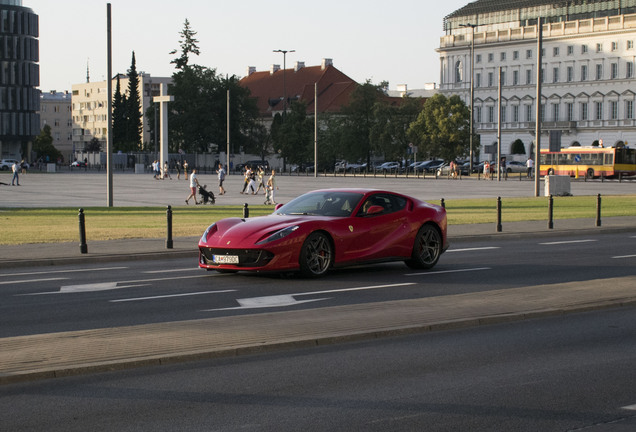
[(225, 259)]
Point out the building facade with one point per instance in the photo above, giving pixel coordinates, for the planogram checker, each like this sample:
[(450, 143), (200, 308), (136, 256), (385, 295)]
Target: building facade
[(587, 71), (56, 111), (19, 79), (90, 107)]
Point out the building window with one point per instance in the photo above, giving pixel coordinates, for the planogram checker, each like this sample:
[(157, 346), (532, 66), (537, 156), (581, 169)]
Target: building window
[(478, 114), (629, 109), (478, 58), (528, 54), (491, 57), (613, 110), (583, 49), (528, 76), (583, 72), (515, 55), (614, 70), (502, 56), (555, 75), (542, 75), (490, 79), (599, 72), (630, 44), (570, 49), (629, 69), (599, 47), (515, 77), (555, 112), (570, 74), (478, 80), (515, 113), (598, 110), (491, 114), (555, 52), (614, 46), (502, 115), (458, 71), (570, 109), (528, 113), (583, 111), (503, 78), (542, 114)]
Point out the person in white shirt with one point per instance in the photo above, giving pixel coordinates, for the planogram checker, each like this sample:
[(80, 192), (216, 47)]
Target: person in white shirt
[(16, 174), (194, 183), (530, 166)]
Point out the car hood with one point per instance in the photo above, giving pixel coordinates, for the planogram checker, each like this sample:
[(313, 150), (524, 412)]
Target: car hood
[(237, 232)]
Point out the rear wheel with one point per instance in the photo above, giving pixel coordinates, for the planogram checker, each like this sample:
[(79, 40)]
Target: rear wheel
[(316, 255), (590, 173), (427, 248)]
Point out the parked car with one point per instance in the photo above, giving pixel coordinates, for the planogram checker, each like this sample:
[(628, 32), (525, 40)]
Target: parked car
[(432, 165), (462, 169), (78, 164), (388, 167), (328, 228), (6, 164), (418, 166), (515, 167), (342, 166)]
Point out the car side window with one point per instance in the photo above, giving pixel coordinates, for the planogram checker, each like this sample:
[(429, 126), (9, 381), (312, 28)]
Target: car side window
[(389, 203)]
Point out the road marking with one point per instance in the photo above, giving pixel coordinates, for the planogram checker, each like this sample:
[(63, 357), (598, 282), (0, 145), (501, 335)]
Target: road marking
[(473, 249), (624, 256), (172, 270), (30, 280), (449, 271), (65, 271), (568, 242), (287, 300), (170, 296), (630, 407)]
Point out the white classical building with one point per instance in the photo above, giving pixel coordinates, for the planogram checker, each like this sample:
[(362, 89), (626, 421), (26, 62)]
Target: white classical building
[(588, 61)]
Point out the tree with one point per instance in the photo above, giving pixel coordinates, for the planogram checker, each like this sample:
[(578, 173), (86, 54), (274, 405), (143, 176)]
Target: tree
[(93, 146), (442, 128), (119, 118), (133, 110), (43, 145), (517, 147), (389, 131), (293, 134)]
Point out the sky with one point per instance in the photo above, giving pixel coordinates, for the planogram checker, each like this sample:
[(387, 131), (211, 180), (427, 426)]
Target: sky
[(392, 41)]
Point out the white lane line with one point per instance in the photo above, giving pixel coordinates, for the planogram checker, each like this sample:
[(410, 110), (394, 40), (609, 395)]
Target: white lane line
[(473, 249), (170, 296), (568, 242), (624, 256), (630, 407), (63, 271), (449, 271), (30, 280), (355, 289), (172, 270)]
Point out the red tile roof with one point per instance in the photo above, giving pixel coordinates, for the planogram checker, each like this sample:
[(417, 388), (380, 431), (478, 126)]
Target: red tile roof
[(334, 88)]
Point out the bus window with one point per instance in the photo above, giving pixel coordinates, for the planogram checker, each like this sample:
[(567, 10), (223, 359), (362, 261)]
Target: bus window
[(609, 159)]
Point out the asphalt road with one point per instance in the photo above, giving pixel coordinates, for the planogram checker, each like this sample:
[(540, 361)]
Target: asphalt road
[(566, 373), (65, 298)]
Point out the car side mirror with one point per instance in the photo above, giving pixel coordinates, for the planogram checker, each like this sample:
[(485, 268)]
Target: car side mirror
[(374, 209), (278, 206)]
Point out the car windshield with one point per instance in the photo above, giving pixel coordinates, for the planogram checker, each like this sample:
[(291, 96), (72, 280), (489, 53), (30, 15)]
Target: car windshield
[(339, 204)]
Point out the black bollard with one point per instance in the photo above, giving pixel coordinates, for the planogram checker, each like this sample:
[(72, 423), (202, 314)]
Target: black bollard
[(443, 203), (598, 210), (499, 228), (82, 232), (550, 212), (169, 228), (246, 211)]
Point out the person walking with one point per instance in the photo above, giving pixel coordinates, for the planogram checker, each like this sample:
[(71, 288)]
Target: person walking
[(194, 183), (166, 171), (221, 173), (185, 169), (178, 166), (271, 187), (529, 166), (261, 182), (16, 174)]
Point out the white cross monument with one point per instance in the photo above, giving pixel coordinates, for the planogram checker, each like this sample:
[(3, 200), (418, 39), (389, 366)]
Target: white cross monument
[(163, 114)]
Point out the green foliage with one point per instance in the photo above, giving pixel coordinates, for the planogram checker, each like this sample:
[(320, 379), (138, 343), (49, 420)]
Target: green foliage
[(43, 145), (133, 110), (93, 146), (389, 132), (119, 117), (293, 134), (442, 129), (518, 147)]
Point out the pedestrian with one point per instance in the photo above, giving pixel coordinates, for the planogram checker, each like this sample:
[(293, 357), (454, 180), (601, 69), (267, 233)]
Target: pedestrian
[(453, 169), (194, 183), (23, 166), (185, 169), (166, 171), (486, 170), (178, 166), (221, 173), (251, 184), (271, 187), (529, 166), (16, 174), (261, 182), (246, 178)]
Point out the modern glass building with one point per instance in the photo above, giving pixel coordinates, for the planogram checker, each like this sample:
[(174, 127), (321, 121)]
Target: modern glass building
[(19, 79)]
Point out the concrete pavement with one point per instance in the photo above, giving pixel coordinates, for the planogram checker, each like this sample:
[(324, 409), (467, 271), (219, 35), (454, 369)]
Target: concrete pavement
[(70, 353)]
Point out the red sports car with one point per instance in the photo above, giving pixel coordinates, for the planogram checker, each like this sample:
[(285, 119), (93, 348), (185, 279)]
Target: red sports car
[(325, 228)]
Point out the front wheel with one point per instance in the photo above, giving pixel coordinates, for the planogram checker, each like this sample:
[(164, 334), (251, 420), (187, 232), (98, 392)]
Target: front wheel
[(316, 255), (427, 248)]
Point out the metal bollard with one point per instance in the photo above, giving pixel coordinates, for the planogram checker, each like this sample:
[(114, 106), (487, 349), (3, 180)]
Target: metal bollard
[(246, 211), (82, 232), (598, 210), (443, 204), (499, 228), (550, 212), (169, 228)]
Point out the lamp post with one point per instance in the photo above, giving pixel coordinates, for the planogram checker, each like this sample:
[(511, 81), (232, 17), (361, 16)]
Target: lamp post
[(472, 88), (284, 84)]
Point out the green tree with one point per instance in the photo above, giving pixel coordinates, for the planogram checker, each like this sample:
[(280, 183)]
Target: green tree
[(389, 131), (517, 147), (133, 110), (293, 134), (119, 118), (442, 129), (43, 145)]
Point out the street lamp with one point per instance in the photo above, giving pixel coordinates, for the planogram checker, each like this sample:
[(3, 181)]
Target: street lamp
[(472, 88), (284, 85)]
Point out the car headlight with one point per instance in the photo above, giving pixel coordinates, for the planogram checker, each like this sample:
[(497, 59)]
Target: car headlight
[(278, 235), (210, 230)]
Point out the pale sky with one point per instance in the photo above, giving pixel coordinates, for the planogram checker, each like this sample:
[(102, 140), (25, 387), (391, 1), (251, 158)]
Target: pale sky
[(390, 41)]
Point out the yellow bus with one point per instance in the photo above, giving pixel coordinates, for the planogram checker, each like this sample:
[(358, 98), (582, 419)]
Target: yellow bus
[(589, 161)]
